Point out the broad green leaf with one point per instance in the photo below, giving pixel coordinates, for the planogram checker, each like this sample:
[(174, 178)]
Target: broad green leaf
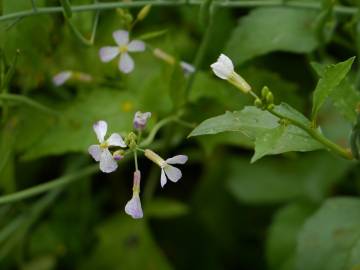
[(266, 30), (329, 240), (283, 233), (269, 135), (165, 208), (309, 176), (330, 79), (125, 243)]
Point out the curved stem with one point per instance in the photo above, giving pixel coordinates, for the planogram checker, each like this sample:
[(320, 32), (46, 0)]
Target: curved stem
[(56, 183), (317, 136)]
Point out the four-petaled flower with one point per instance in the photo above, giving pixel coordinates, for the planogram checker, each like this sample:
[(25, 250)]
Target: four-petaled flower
[(126, 63), (167, 171), (140, 120), (224, 69), (133, 207), (100, 152)]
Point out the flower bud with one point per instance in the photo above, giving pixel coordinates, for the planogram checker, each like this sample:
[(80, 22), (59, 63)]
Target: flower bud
[(269, 98), (118, 155), (258, 103), (143, 12), (133, 207), (140, 120), (264, 91)]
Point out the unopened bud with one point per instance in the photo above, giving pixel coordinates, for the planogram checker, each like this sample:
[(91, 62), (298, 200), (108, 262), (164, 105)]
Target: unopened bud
[(269, 98), (258, 103), (118, 155), (140, 120), (264, 91), (143, 12)]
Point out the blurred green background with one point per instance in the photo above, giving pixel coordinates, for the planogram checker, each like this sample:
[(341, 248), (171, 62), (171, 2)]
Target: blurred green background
[(292, 211)]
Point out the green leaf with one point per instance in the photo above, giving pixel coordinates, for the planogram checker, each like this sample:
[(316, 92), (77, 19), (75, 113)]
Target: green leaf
[(266, 30), (330, 79), (125, 243), (309, 176), (283, 233), (262, 127), (329, 239), (165, 208)]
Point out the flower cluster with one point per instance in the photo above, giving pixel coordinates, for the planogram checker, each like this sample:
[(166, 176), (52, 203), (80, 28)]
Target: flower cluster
[(109, 151)]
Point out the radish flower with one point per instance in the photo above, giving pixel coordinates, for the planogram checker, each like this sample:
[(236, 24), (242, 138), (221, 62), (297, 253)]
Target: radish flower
[(167, 171), (126, 63), (133, 207), (224, 69), (140, 120), (100, 152), (66, 75)]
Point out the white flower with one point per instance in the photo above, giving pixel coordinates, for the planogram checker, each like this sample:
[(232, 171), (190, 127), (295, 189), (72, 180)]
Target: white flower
[(133, 207), (224, 69), (100, 152), (140, 120), (63, 76), (187, 68), (167, 171), (121, 37)]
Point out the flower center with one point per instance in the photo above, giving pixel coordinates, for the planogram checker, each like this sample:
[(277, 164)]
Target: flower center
[(123, 48), (104, 145)]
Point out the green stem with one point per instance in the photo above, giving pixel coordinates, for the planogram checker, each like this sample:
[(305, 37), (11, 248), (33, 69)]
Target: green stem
[(227, 4), (136, 160), (56, 183), (29, 102), (150, 138), (317, 136)]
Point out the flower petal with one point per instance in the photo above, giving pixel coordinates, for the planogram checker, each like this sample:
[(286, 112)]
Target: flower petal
[(100, 128), (95, 151), (173, 173), (226, 61), (163, 178), (126, 63), (133, 207), (107, 162), (116, 140), (108, 53), (121, 37), (179, 159), (136, 46), (61, 78), (187, 68)]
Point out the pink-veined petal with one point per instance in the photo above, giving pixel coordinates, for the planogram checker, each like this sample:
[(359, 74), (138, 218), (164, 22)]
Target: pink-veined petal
[(95, 151), (179, 159), (126, 63), (116, 140), (133, 207), (61, 78), (108, 53), (163, 179), (136, 46), (100, 128), (107, 162), (121, 37), (173, 173)]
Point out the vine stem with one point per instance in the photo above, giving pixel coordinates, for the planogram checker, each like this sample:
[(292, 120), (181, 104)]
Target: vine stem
[(56, 183), (226, 4)]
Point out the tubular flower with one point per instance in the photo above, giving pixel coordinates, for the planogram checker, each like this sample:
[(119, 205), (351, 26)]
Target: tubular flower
[(100, 152), (133, 207), (167, 171), (66, 75), (224, 69), (126, 63)]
